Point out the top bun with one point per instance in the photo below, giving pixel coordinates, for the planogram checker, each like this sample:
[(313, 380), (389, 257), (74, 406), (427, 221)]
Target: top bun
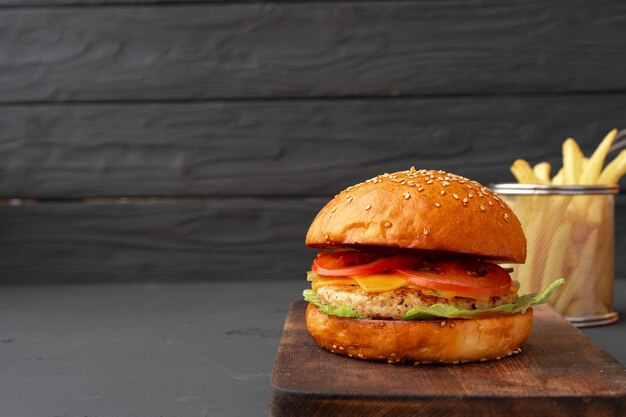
[(424, 210)]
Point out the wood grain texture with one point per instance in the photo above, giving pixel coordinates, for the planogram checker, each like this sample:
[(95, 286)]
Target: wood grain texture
[(279, 148), (330, 49), (560, 372), (210, 240), (189, 240), (133, 3)]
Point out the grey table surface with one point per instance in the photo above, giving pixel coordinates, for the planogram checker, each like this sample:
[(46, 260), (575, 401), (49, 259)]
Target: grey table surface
[(157, 350)]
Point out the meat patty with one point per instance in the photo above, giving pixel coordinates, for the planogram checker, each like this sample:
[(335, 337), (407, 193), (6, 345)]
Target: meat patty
[(394, 304)]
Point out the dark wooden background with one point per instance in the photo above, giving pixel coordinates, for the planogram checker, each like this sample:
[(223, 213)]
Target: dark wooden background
[(196, 140)]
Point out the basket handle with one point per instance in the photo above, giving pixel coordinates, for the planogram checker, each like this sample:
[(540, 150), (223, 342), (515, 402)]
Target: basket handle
[(620, 141)]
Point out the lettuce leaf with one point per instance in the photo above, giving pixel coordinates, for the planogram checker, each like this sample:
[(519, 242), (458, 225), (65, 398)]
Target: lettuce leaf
[(520, 306), (343, 311), (443, 310)]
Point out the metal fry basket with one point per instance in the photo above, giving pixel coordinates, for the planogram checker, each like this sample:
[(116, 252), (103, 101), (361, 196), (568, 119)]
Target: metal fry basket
[(571, 234)]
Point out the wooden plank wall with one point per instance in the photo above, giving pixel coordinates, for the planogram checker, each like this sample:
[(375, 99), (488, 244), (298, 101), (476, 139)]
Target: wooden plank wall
[(196, 140)]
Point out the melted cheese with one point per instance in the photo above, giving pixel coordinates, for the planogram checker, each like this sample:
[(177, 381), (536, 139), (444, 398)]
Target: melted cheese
[(380, 282), (368, 283), (376, 283), (323, 281)]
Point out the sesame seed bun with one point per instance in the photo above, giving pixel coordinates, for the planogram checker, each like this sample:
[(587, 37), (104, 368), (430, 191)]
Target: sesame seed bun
[(424, 210), (432, 211), (428, 341)]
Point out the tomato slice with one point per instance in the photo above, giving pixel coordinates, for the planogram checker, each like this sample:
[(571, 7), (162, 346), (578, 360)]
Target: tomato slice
[(359, 263), (466, 278)]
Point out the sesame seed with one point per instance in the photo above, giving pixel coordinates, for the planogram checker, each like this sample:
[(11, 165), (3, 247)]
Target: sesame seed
[(349, 354), (350, 200), (442, 192), (437, 205), (480, 194), (416, 363), (445, 183), (326, 237), (387, 224), (465, 200), (340, 347), (483, 359), (483, 208), (456, 197), (420, 189), (411, 183), (348, 196), (506, 217), (425, 231), (360, 355), (389, 361), (369, 206), (455, 362), (334, 346), (407, 196), (392, 355), (451, 325), (443, 324), (333, 209), (470, 195), (490, 203), (429, 182), (402, 182)]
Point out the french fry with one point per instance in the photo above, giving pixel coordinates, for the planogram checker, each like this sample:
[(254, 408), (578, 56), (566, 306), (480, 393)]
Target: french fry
[(581, 281), (592, 171), (557, 254), (558, 179), (571, 236), (572, 162), (604, 260), (542, 172), (523, 172), (585, 164), (615, 170)]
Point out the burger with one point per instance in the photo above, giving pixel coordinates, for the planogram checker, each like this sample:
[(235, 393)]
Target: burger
[(408, 271)]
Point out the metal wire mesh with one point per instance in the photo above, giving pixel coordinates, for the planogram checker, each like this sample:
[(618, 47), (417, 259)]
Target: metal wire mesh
[(569, 236)]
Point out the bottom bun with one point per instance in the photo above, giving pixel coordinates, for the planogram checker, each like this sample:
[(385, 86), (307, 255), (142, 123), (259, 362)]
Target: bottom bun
[(428, 341)]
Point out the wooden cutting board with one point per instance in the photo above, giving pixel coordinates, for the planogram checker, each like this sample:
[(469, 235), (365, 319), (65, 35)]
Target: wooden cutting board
[(560, 372)]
